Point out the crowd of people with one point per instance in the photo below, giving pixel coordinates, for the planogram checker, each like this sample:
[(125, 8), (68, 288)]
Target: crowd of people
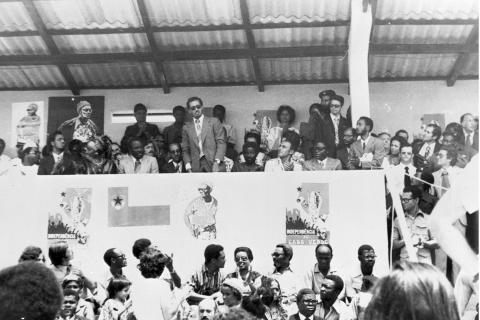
[(422, 169), (61, 291)]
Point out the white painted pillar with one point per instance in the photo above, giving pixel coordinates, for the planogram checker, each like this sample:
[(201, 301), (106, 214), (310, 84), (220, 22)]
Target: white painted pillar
[(358, 44)]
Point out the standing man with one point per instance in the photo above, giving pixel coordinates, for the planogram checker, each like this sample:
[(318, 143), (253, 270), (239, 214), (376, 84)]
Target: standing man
[(56, 143), (345, 153), (334, 124), (470, 133), (137, 161), (173, 133), (203, 140), (425, 150), (357, 281), (142, 128), (325, 98), (418, 228), (208, 279), (81, 127), (320, 160), (368, 149), (200, 214)]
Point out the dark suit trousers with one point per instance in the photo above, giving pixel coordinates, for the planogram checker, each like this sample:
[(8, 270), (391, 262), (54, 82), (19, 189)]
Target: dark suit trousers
[(205, 165)]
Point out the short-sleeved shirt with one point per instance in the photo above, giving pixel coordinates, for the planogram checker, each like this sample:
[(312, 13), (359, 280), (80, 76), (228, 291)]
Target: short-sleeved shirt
[(205, 283), (313, 279), (419, 229)]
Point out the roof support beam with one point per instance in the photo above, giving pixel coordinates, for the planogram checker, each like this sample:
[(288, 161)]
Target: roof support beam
[(251, 44), (51, 45), (463, 57), (159, 69)]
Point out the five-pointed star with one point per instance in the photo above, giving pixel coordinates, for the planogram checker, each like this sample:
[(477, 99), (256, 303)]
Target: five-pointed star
[(63, 194), (118, 201), (299, 189)]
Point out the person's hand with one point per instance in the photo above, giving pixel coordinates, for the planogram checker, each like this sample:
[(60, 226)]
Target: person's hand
[(77, 272), (169, 262), (215, 167)]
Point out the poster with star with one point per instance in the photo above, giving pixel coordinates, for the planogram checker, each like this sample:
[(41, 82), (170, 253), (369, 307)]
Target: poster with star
[(69, 218), (306, 220)]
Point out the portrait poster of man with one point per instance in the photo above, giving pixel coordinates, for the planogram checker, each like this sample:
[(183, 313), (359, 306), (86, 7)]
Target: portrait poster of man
[(200, 214), (307, 219), (77, 117), (69, 216), (28, 123), (265, 122)]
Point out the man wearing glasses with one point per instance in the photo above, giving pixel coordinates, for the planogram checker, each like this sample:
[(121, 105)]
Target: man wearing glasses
[(404, 171), (333, 127), (306, 303), (418, 228), (203, 140)]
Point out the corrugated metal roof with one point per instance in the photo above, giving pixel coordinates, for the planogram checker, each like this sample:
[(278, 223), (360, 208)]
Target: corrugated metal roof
[(30, 77), (114, 74), (209, 71), (228, 39), (304, 68), (427, 9), (296, 37), (411, 65), (471, 66), (102, 14), (14, 17), (276, 11), (102, 43), (22, 45), (421, 34), (193, 12)]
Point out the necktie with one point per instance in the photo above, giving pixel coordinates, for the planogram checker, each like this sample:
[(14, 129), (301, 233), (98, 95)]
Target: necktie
[(363, 145), (321, 164), (427, 152), (137, 166), (337, 140), (198, 128), (407, 181), (469, 140), (445, 181)]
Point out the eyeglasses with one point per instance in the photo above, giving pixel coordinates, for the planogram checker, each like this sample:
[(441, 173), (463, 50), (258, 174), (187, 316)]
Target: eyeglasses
[(404, 152), (404, 200), (335, 105)]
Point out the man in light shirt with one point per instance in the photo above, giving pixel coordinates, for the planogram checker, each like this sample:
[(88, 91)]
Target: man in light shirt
[(137, 161)]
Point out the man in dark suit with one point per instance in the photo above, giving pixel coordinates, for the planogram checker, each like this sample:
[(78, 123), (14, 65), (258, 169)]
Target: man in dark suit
[(142, 128), (368, 149), (425, 151), (306, 303), (333, 126), (203, 140), (345, 153), (175, 163), (470, 133), (56, 157), (325, 99), (173, 133)]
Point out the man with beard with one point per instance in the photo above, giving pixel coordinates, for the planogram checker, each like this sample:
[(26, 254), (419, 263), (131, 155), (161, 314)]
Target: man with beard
[(81, 127), (367, 148), (207, 309), (331, 307), (306, 303), (320, 160), (314, 278), (137, 161), (359, 279), (345, 153)]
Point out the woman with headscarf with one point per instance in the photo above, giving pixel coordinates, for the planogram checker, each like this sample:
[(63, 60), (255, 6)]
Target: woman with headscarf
[(81, 127), (28, 128)]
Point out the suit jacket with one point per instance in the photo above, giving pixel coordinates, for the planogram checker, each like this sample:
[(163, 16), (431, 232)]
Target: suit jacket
[(213, 142), (345, 156), (297, 317), (327, 134), (133, 130), (330, 164), (169, 168), (461, 139), (374, 146), (148, 164), (420, 162), (48, 163)]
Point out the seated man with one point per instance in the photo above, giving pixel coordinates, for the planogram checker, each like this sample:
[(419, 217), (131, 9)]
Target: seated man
[(137, 161), (320, 160), (368, 149), (29, 290), (330, 306), (249, 151), (175, 163), (207, 280), (357, 281)]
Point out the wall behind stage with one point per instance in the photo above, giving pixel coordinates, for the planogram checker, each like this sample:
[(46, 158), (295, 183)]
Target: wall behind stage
[(394, 105)]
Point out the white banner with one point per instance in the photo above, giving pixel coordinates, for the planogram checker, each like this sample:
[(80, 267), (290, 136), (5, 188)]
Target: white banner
[(245, 209)]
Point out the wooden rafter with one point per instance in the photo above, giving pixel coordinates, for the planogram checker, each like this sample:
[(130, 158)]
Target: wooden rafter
[(159, 69), (251, 44), (51, 45), (463, 57)]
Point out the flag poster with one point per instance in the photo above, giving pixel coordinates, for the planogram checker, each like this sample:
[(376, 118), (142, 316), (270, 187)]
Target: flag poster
[(306, 220)]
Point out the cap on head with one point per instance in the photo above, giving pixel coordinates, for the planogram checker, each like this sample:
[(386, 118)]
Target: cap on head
[(82, 104)]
